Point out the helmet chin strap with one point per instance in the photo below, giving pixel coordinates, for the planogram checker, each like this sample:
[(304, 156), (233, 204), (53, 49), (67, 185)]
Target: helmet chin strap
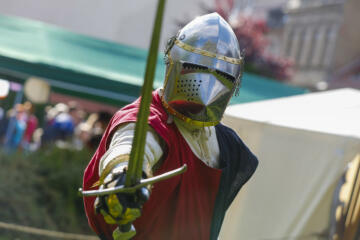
[(190, 127)]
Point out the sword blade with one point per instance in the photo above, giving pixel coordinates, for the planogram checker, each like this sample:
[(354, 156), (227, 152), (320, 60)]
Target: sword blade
[(134, 171)]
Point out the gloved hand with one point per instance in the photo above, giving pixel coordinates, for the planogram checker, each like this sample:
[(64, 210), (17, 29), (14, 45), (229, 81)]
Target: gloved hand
[(121, 208)]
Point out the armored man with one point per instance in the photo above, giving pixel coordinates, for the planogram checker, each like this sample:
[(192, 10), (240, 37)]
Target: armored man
[(203, 71)]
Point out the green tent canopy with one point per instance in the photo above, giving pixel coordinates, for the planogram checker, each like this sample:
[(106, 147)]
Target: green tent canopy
[(94, 69)]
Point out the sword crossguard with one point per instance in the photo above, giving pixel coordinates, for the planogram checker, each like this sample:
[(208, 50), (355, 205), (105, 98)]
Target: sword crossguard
[(132, 189)]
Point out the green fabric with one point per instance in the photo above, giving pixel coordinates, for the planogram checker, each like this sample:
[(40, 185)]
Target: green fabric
[(91, 68)]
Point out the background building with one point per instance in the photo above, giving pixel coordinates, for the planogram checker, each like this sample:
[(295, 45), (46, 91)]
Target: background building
[(322, 38)]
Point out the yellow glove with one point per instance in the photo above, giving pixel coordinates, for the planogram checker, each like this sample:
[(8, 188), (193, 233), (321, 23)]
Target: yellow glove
[(121, 208)]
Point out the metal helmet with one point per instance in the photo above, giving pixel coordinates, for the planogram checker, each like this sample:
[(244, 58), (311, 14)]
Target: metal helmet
[(204, 68)]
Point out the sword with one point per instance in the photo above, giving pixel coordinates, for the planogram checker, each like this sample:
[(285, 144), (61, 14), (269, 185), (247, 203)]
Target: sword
[(134, 171), (132, 189)]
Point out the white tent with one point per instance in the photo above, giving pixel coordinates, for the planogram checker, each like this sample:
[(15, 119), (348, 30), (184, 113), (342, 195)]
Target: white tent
[(303, 144)]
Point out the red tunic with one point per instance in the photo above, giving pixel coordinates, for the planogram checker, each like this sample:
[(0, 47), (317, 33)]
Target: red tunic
[(178, 208)]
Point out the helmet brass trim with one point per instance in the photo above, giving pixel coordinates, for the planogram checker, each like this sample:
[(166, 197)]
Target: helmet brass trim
[(184, 118), (203, 52)]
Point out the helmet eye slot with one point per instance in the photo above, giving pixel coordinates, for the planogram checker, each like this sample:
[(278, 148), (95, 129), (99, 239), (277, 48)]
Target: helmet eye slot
[(190, 67), (226, 75), (193, 66)]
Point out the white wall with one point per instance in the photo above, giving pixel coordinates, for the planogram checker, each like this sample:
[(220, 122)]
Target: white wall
[(123, 21)]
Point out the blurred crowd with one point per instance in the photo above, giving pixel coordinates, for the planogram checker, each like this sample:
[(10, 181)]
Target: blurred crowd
[(65, 125)]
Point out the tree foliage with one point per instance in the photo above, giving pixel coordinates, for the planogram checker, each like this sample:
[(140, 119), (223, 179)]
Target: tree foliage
[(251, 34)]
